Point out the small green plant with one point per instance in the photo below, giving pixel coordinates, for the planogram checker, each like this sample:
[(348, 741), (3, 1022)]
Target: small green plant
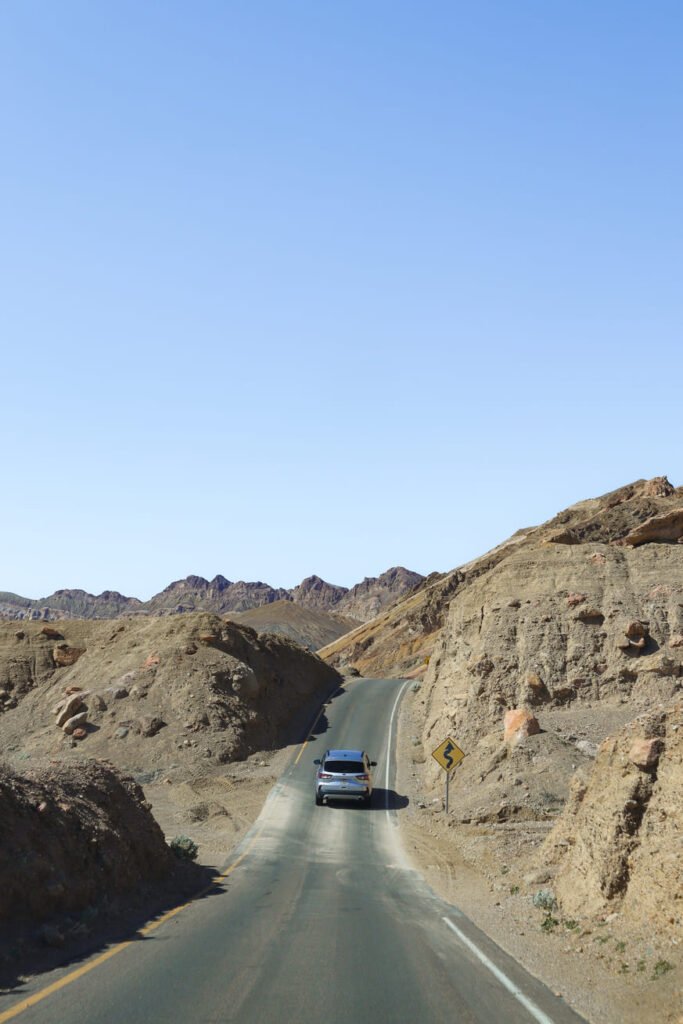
[(504, 870), (571, 925), (640, 966), (661, 968), (624, 969), (545, 900), (549, 923), (514, 889), (184, 848), (620, 947)]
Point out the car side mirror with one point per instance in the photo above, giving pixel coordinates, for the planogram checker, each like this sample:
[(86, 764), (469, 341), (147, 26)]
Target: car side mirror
[(317, 761), (373, 764)]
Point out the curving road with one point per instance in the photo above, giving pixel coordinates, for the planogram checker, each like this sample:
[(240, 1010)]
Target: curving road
[(320, 920)]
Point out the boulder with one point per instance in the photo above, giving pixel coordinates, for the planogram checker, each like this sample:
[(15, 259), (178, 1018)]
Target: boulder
[(518, 724), (74, 722), (645, 753), (63, 655), (51, 633), (70, 708), (117, 692)]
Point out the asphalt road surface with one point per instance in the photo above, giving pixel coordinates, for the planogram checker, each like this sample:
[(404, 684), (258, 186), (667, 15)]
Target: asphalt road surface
[(320, 920)]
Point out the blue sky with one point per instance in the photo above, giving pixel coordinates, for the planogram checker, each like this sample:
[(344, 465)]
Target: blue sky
[(324, 287)]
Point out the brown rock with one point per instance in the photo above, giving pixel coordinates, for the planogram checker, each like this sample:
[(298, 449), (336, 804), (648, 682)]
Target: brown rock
[(518, 724), (73, 689), (574, 599), (151, 661), (63, 655), (51, 633), (79, 733), (20, 634), (645, 753), (676, 640)]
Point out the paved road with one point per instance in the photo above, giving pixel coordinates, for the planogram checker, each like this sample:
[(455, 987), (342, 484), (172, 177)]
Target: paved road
[(322, 920)]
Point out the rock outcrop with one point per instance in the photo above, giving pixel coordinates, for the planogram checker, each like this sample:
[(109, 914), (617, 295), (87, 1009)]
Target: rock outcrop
[(617, 845), (374, 594), (68, 844)]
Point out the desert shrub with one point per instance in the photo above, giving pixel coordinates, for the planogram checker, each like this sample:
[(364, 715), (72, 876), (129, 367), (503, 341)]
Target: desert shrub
[(184, 848), (545, 900)]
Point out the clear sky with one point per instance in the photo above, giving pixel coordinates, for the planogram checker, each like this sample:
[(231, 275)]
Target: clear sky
[(325, 287)]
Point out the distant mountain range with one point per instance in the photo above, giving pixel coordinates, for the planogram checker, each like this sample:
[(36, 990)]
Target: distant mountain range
[(219, 595)]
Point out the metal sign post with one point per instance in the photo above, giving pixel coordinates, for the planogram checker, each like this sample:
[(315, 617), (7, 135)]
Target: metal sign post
[(448, 755)]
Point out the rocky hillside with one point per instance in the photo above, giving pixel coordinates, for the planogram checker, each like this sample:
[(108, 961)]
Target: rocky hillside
[(369, 598), (191, 690), (575, 614), (67, 846), (218, 595), (402, 638)]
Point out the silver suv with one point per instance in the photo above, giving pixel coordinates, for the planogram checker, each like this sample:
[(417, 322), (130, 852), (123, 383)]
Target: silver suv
[(344, 775)]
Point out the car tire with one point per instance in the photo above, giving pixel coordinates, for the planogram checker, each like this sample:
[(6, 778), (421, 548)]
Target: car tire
[(318, 799)]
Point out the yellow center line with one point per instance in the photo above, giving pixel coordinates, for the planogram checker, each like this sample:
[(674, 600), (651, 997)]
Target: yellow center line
[(68, 979)]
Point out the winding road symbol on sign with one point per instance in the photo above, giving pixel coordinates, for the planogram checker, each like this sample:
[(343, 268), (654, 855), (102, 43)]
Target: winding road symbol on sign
[(448, 754)]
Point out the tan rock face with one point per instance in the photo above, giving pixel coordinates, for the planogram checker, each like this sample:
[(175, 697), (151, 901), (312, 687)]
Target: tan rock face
[(617, 844), (644, 753), (518, 724)]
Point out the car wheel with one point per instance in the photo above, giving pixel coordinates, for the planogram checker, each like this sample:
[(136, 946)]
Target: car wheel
[(318, 798)]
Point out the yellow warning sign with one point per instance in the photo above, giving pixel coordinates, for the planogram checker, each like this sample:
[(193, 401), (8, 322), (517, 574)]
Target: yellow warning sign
[(448, 754)]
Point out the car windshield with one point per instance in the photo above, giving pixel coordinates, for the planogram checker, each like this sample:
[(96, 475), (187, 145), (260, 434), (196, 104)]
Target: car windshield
[(349, 767)]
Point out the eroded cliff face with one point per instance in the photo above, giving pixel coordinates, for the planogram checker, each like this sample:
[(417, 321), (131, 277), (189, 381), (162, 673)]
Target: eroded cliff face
[(618, 844), (565, 647), (559, 626)]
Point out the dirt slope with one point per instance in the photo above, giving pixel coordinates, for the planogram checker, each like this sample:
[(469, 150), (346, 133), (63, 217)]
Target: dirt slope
[(71, 835), (309, 627)]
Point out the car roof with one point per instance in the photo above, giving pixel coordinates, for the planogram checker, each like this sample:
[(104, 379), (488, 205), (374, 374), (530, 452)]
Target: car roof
[(342, 755)]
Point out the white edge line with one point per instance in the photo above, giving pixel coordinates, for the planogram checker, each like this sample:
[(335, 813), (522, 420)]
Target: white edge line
[(391, 731), (534, 1010)]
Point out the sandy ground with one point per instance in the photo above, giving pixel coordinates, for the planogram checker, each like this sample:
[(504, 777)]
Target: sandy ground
[(216, 810), (608, 975)]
